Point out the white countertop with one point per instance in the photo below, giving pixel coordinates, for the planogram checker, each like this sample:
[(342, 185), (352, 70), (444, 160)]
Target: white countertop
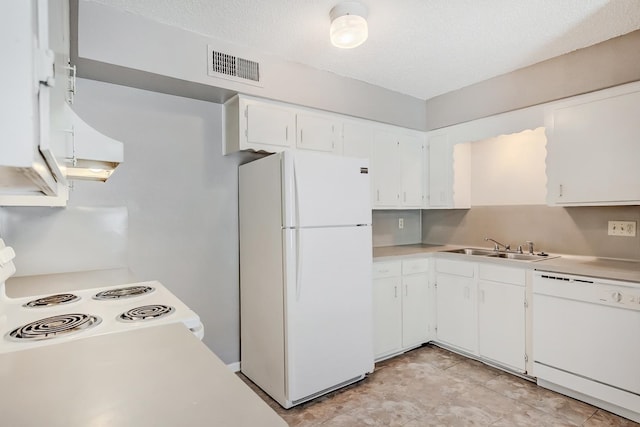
[(608, 268), (158, 376)]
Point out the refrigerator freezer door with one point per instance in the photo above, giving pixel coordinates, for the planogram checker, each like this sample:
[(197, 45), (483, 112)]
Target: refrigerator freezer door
[(329, 309), (325, 190)]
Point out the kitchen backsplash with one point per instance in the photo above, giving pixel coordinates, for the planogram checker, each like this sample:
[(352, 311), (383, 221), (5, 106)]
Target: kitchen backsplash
[(577, 230), (386, 231), (60, 240)]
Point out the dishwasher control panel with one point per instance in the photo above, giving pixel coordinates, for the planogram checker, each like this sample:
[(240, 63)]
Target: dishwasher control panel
[(624, 297), (588, 289)]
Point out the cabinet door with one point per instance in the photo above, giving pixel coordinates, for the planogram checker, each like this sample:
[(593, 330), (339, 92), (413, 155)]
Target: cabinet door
[(386, 181), (456, 306), (269, 125), (387, 316), (315, 132), (440, 167), (593, 152), (415, 309), (357, 141), (501, 323), (412, 169)]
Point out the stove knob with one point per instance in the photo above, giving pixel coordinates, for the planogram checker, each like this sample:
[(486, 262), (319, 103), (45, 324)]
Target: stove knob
[(616, 296)]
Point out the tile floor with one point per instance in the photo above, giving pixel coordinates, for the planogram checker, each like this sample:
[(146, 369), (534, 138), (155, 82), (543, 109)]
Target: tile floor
[(430, 386)]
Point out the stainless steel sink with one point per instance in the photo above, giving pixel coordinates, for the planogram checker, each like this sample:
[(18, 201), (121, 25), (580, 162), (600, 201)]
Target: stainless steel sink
[(499, 254), (521, 257), (472, 251)]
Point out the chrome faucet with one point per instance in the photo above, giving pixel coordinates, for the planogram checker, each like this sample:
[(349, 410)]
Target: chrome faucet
[(530, 244), (496, 246)]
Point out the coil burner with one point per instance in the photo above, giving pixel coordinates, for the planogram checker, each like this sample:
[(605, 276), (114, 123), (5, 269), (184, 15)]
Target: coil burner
[(146, 312), (127, 292), (52, 300), (55, 326)]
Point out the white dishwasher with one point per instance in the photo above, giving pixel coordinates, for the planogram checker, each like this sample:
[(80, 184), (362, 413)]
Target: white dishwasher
[(586, 339)]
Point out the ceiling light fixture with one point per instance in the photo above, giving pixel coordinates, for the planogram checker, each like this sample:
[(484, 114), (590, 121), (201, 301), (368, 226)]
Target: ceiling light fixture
[(348, 24)]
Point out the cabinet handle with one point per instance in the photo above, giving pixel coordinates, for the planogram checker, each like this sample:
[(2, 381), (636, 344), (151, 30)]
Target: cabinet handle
[(395, 291), (377, 195), (406, 290), (286, 133), (301, 139), (560, 195)]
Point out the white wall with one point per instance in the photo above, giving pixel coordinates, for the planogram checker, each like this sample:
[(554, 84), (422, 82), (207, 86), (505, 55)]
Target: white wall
[(509, 169), (180, 195), (124, 48), (609, 63)]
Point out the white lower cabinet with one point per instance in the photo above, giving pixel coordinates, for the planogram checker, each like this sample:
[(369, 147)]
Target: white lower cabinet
[(456, 304), (416, 302), (401, 298), (481, 310), (387, 308), (501, 315)]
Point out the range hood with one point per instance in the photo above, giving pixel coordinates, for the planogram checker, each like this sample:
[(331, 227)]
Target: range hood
[(91, 155), (39, 174), (44, 143)]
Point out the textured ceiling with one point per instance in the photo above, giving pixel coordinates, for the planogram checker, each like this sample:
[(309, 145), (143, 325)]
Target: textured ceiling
[(421, 48)]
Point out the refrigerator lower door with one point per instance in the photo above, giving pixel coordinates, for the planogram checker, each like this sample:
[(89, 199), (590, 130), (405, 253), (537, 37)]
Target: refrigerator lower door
[(328, 308)]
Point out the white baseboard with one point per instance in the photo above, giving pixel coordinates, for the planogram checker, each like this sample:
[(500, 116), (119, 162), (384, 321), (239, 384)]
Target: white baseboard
[(234, 367)]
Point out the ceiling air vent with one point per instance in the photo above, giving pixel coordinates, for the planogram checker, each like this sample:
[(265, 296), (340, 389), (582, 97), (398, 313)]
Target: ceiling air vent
[(232, 67)]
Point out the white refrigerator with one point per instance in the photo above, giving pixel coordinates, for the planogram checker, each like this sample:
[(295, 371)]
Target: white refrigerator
[(305, 274)]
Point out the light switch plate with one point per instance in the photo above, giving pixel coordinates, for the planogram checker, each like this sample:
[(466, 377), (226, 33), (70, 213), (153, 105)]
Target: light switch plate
[(622, 228)]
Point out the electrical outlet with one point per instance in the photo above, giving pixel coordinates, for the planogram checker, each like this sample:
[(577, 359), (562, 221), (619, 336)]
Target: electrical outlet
[(401, 223), (622, 228)]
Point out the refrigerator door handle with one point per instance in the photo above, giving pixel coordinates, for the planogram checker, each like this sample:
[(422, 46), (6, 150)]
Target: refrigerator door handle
[(298, 264)]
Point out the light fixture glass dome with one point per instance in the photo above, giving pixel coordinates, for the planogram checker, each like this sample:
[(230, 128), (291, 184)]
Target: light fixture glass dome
[(348, 25)]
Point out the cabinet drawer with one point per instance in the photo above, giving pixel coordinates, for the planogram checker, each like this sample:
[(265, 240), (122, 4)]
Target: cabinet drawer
[(457, 268), (411, 266), (495, 273), (386, 269)]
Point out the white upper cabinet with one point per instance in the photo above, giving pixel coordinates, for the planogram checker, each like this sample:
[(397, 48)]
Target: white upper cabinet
[(440, 160), (251, 124), (269, 126), (448, 173), (357, 141), (412, 171), (316, 132), (593, 148), (398, 161), (386, 162)]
